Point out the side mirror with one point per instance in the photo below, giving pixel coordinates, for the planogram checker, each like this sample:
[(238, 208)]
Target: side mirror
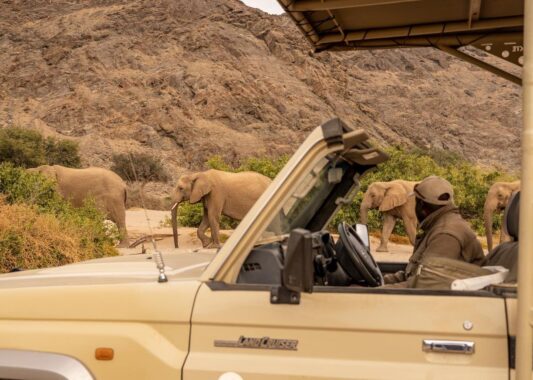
[(298, 271), (362, 232)]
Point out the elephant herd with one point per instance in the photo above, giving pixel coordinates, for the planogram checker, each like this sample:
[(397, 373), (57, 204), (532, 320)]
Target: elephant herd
[(233, 194), (393, 201)]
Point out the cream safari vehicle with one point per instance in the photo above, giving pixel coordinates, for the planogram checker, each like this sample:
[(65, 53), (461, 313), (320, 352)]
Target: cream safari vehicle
[(281, 299)]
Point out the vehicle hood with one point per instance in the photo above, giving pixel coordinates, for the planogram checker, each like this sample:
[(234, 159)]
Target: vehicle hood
[(179, 265)]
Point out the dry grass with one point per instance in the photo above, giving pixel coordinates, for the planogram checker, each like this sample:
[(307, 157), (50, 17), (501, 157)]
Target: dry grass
[(397, 239), (30, 240)]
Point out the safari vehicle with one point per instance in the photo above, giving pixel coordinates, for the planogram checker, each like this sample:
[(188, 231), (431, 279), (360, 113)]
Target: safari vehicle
[(281, 299)]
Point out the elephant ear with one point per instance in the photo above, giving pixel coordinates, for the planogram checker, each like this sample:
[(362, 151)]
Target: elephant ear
[(395, 196), (200, 188)]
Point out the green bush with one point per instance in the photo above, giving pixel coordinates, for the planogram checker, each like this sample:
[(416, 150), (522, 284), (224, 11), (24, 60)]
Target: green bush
[(19, 186), (268, 166), (133, 167), (27, 148), (80, 232), (190, 215)]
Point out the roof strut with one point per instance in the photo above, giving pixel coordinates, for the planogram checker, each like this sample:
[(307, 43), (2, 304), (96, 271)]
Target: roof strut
[(479, 63), (473, 13)]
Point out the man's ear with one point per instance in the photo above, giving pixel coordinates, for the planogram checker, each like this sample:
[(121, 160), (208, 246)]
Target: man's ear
[(200, 187)]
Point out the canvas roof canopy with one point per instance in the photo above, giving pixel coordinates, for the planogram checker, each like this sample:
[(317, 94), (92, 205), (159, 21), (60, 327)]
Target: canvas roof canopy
[(494, 26)]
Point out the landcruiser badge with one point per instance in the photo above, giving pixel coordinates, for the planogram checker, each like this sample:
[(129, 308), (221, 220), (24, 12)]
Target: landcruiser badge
[(264, 343)]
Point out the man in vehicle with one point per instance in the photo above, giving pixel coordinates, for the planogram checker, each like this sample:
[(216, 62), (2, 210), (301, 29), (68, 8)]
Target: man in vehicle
[(444, 233)]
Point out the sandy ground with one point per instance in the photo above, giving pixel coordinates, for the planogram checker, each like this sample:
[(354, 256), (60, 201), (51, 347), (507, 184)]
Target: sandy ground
[(139, 224)]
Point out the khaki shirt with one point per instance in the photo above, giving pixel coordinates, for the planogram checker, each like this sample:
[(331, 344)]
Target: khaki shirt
[(444, 233)]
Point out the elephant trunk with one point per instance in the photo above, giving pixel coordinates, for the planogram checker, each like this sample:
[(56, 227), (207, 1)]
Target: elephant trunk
[(174, 218), (363, 214), (487, 218)]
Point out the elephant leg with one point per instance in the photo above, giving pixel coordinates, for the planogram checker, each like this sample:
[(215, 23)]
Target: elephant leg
[(410, 228), (204, 225), (124, 241), (118, 216), (214, 225), (388, 225)]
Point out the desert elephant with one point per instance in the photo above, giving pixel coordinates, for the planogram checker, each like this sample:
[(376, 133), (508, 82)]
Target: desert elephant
[(394, 201), (497, 199), (106, 188), (230, 194)]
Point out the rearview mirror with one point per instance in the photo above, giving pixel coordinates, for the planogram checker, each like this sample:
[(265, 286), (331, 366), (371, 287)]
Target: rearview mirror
[(362, 232), (298, 270)]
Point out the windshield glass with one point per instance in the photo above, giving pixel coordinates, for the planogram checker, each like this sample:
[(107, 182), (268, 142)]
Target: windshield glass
[(306, 200)]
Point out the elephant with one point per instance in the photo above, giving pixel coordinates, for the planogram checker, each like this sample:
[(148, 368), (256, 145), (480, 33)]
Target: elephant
[(394, 200), (497, 199), (230, 194), (106, 188)]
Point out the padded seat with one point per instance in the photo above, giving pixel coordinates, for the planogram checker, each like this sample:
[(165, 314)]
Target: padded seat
[(506, 254)]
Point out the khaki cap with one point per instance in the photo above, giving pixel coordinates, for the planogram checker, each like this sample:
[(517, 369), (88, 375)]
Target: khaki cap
[(434, 190)]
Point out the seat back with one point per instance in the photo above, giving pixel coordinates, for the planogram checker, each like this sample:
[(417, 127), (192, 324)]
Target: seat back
[(506, 254), (511, 216)]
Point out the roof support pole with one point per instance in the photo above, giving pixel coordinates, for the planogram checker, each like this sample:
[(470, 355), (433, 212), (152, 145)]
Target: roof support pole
[(465, 57), (524, 343)]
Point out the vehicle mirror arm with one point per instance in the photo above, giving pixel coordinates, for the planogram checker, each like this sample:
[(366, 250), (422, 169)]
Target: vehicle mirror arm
[(297, 275), (283, 295)]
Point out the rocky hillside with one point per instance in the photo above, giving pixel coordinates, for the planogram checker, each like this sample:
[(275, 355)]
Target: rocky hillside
[(185, 80)]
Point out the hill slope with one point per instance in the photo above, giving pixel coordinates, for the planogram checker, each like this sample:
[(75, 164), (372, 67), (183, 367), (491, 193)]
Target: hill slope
[(184, 80)]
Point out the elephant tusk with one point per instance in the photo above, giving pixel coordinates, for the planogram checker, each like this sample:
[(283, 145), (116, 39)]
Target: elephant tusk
[(174, 206)]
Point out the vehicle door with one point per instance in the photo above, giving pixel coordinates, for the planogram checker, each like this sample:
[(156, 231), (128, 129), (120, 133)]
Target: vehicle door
[(347, 333)]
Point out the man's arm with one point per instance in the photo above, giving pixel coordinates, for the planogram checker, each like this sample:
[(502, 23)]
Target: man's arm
[(440, 245)]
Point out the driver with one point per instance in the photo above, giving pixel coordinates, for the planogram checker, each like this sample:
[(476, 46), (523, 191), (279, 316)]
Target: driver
[(444, 232)]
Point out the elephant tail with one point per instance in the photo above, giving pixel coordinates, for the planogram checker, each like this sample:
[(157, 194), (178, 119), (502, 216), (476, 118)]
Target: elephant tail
[(125, 195)]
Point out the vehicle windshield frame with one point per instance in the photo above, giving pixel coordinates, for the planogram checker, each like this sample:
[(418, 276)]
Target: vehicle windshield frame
[(310, 198)]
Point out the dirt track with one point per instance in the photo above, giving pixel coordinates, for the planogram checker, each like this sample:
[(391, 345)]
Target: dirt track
[(138, 226)]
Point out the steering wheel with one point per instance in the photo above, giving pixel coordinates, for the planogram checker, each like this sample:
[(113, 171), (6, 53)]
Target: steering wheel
[(355, 259)]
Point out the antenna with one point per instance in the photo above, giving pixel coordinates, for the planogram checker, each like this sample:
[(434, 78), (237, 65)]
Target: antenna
[(158, 257)]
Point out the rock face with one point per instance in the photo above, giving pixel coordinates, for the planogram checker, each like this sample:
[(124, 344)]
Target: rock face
[(184, 80)]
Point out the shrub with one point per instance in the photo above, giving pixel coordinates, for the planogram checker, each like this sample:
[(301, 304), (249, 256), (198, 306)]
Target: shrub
[(19, 186), (62, 152), (30, 239), (39, 228), (27, 148), (190, 215), (268, 166), (142, 167)]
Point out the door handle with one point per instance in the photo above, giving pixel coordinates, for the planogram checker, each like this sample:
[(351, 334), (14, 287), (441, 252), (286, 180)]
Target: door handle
[(448, 346)]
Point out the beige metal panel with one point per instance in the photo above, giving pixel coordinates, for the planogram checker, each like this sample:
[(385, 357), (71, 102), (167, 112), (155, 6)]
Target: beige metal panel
[(139, 302), (141, 350), (406, 14), (429, 31), (512, 318), (147, 325), (314, 5), (524, 341), (347, 336), (512, 309)]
